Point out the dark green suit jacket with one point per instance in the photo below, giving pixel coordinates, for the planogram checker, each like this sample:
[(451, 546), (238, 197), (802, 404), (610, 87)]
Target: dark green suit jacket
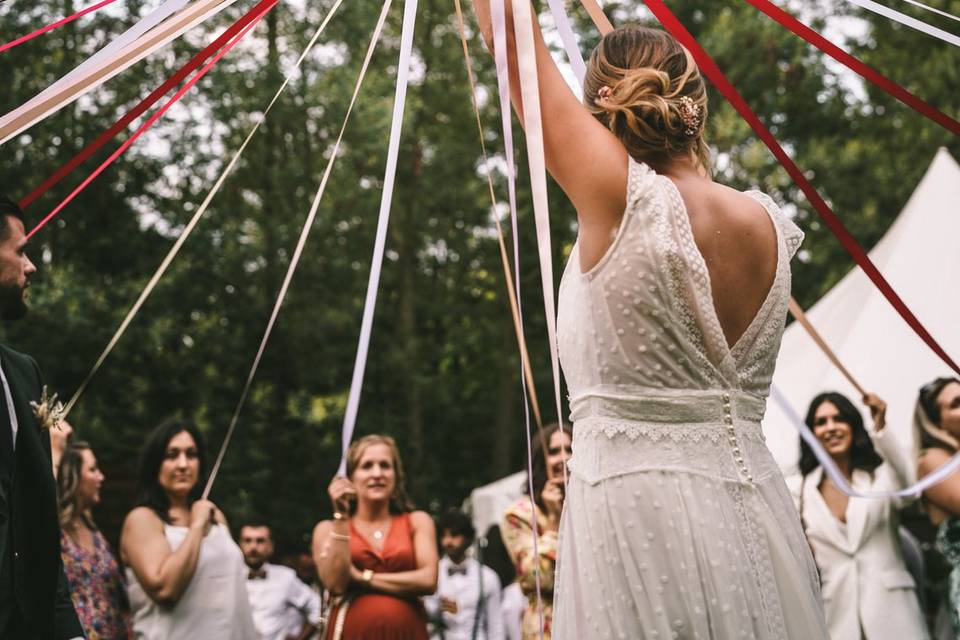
[(32, 586)]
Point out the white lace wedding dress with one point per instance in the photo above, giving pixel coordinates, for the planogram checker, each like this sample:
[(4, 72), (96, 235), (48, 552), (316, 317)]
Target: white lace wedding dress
[(677, 522)]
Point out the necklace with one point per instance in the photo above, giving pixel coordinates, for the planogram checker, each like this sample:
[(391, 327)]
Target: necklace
[(378, 535)]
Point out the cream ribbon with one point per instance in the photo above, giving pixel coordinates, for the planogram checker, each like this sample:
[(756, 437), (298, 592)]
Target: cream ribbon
[(298, 251), (386, 199), (188, 229), (65, 92), (906, 20)]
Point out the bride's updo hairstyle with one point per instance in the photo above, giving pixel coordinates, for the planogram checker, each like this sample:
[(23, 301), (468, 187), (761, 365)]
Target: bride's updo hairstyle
[(646, 88)]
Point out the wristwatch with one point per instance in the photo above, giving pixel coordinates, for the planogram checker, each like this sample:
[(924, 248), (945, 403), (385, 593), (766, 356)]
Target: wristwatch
[(367, 576)]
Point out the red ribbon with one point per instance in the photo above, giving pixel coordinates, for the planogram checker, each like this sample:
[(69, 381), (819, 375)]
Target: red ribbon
[(720, 81), (266, 5), (55, 25), (854, 64), (145, 104)]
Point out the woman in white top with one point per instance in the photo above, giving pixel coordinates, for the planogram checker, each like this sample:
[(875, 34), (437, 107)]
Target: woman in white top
[(867, 591), (186, 575)]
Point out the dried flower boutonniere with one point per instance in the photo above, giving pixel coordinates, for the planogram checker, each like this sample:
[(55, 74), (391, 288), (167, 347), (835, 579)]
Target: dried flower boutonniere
[(49, 411)]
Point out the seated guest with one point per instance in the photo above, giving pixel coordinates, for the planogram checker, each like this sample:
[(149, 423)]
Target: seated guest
[(96, 584), (283, 607), (466, 605), (377, 554), (530, 553), (186, 575), (868, 594), (936, 422)]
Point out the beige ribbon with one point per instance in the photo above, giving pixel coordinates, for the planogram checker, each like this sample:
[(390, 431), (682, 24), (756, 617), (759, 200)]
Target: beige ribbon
[(62, 94), (187, 230), (797, 312), (511, 291)]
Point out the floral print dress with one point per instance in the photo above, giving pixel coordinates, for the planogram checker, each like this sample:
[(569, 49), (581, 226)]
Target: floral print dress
[(517, 532), (948, 543), (96, 588)]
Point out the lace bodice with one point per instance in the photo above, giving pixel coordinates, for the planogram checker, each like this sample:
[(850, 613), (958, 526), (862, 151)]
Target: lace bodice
[(642, 321)]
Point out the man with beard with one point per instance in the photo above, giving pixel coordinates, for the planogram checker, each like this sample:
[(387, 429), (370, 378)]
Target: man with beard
[(34, 601), (466, 605), (283, 607)]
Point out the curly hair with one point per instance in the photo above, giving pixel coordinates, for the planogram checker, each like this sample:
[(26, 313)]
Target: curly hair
[(646, 88), (863, 455)]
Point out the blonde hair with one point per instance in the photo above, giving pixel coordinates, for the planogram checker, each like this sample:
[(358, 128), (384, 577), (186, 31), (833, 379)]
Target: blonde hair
[(68, 481), (646, 88), (399, 501)]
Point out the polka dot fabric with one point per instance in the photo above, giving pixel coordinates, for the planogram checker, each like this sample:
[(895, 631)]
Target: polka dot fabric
[(677, 522)]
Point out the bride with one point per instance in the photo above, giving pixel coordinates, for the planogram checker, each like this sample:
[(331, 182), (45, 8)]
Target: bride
[(677, 522)]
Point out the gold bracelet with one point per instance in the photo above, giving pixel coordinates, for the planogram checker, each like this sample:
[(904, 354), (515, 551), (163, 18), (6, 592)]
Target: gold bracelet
[(339, 536)]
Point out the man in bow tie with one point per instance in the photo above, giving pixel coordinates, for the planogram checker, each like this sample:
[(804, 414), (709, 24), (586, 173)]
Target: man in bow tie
[(466, 605), (34, 600), (283, 607)]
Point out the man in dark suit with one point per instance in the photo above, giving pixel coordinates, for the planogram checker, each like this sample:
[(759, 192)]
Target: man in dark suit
[(34, 600)]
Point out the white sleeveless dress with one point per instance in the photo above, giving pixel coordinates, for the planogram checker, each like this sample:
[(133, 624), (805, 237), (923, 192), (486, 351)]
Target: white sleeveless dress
[(677, 522), (214, 607)]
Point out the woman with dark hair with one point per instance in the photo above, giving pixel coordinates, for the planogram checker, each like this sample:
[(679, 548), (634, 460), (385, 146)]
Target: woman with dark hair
[(676, 520), (867, 591), (530, 552), (187, 576), (936, 423), (96, 584), (377, 555)]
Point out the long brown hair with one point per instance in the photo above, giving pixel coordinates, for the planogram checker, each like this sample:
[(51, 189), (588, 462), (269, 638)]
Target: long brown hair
[(399, 501), (68, 481), (642, 85)]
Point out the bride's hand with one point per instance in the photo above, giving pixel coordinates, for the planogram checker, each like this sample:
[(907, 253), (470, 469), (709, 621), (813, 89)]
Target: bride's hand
[(552, 496)]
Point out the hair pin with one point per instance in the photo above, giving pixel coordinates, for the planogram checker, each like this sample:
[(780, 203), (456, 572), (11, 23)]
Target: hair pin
[(691, 114)]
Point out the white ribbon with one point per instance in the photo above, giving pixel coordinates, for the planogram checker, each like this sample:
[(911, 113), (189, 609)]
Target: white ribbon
[(386, 198), (837, 477), (906, 20), (933, 9), (68, 89), (298, 251), (187, 230), (562, 20)]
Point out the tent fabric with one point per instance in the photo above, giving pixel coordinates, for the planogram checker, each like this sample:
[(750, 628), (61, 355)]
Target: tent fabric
[(920, 256), (488, 503)]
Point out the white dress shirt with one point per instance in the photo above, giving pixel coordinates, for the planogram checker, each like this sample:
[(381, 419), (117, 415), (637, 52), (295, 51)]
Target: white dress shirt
[(281, 603), (512, 605), (461, 583)]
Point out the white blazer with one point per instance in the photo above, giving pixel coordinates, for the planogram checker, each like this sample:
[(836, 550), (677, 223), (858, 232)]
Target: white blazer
[(864, 578)]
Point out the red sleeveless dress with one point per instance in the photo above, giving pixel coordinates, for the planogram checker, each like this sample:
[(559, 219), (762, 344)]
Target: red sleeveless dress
[(378, 616)]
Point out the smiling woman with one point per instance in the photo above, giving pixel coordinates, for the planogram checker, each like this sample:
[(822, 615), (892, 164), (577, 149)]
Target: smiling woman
[(187, 576), (377, 554), (853, 538)]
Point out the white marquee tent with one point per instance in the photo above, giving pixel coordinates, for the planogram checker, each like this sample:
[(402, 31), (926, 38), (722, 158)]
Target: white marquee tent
[(920, 257)]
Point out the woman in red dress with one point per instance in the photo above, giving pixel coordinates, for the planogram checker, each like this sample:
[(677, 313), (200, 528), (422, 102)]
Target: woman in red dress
[(377, 553)]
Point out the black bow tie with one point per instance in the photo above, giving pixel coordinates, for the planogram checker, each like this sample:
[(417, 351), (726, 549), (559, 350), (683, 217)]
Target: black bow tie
[(453, 570), (257, 574)]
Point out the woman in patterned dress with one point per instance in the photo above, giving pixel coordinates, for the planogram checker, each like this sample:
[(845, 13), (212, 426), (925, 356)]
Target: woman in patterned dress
[(96, 584), (518, 526), (936, 423)]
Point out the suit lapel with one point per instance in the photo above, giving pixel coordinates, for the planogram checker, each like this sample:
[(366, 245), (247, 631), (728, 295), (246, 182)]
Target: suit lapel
[(829, 527), (858, 510)]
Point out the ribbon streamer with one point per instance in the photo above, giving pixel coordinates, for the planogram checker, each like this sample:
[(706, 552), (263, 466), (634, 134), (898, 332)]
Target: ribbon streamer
[(187, 230), (562, 21), (139, 109), (866, 72), (797, 312), (261, 10), (533, 126), (932, 9), (836, 476), (298, 251), (55, 25), (386, 199), (720, 81), (906, 20), (70, 88)]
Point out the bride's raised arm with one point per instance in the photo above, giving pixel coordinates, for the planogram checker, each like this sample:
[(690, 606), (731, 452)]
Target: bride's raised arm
[(583, 156)]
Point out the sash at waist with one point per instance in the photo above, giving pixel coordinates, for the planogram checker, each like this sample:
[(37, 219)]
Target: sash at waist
[(677, 407)]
